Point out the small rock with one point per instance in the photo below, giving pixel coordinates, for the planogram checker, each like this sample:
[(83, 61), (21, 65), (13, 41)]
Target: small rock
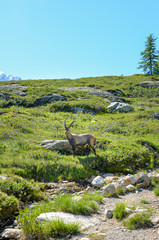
[(108, 213), (155, 220), (98, 181), (139, 210), (11, 233), (109, 179), (142, 179), (156, 115), (128, 210), (130, 188)]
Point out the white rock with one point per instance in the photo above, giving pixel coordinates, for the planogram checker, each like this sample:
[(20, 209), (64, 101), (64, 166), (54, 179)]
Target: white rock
[(120, 107), (11, 233), (98, 181), (83, 221), (130, 188), (140, 210)]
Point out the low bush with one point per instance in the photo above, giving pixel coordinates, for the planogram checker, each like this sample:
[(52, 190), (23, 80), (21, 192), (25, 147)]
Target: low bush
[(22, 189), (9, 205), (140, 220), (120, 211), (65, 203)]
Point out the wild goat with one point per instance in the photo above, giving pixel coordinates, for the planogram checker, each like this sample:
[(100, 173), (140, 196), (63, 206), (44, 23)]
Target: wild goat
[(79, 140)]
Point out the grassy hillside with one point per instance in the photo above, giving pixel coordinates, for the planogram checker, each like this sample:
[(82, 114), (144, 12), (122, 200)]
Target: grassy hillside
[(25, 121)]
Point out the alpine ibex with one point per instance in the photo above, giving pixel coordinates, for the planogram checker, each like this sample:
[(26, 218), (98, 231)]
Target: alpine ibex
[(79, 140)]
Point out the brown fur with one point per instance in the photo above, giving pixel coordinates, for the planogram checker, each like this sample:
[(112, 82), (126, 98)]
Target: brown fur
[(79, 140)]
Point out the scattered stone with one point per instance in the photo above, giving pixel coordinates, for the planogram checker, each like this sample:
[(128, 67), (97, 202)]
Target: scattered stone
[(98, 182), (125, 181), (156, 115), (120, 107), (108, 190), (140, 210), (155, 219), (11, 233), (108, 213), (142, 179), (110, 179), (83, 221), (12, 86), (130, 188), (128, 210)]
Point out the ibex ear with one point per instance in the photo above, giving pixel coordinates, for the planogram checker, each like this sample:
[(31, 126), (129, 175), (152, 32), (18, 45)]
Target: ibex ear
[(71, 124), (65, 123)]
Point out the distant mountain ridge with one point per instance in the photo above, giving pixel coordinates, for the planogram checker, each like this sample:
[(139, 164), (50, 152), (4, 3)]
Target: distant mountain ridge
[(5, 77)]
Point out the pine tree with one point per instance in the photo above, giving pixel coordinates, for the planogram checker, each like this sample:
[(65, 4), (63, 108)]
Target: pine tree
[(149, 56), (156, 67)]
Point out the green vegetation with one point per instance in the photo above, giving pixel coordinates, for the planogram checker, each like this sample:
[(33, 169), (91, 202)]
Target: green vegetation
[(22, 189), (9, 206), (120, 211), (140, 220), (121, 138), (144, 201), (85, 206)]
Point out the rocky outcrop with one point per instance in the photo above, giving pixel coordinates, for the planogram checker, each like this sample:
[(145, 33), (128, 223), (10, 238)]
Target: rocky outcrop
[(48, 99), (149, 84), (111, 94), (120, 107), (83, 221)]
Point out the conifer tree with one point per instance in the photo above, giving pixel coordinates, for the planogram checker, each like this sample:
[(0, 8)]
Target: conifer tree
[(149, 56)]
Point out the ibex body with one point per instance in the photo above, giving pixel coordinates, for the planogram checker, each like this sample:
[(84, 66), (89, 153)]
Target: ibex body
[(79, 140)]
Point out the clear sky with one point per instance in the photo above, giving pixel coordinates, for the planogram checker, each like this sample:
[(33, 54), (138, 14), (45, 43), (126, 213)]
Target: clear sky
[(48, 39)]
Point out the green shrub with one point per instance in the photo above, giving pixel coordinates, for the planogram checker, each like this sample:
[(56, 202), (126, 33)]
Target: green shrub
[(9, 205), (120, 211), (140, 220), (65, 203), (22, 189), (144, 201), (93, 196), (156, 190)]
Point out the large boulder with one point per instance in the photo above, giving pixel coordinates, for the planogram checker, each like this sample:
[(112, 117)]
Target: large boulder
[(48, 99), (98, 181), (108, 190), (120, 107), (148, 84), (83, 221), (57, 145)]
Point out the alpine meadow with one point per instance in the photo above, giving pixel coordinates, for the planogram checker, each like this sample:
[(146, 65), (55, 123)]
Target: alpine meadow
[(32, 114)]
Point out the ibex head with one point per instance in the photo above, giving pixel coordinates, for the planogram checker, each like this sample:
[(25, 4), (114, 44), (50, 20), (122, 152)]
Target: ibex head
[(67, 128)]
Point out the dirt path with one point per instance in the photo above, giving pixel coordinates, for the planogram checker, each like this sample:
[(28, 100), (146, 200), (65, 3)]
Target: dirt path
[(113, 230)]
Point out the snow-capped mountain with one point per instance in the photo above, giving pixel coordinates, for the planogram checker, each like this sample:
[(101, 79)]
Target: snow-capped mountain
[(5, 77)]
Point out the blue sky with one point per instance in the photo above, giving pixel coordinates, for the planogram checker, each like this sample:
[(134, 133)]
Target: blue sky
[(48, 39)]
